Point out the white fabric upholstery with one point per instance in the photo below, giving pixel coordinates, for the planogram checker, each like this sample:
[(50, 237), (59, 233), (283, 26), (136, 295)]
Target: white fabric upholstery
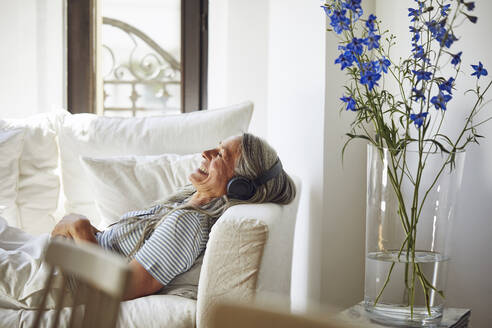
[(158, 311), (154, 311), (122, 184), (38, 185), (11, 141), (93, 136), (249, 253)]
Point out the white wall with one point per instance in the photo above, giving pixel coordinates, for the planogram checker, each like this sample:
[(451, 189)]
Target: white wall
[(31, 60), (238, 56), (273, 53), (469, 283), (296, 86)]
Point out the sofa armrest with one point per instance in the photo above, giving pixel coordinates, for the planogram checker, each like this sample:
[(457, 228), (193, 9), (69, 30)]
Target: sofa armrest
[(249, 254), (231, 263)]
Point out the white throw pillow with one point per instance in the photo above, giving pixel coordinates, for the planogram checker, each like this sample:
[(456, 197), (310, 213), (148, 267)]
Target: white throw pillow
[(123, 184), (39, 184), (95, 136), (11, 141)]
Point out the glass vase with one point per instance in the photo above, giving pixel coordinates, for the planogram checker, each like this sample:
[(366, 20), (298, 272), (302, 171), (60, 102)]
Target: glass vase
[(410, 206)]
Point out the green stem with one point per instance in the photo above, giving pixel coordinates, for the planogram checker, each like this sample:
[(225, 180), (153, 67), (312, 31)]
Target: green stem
[(385, 283)]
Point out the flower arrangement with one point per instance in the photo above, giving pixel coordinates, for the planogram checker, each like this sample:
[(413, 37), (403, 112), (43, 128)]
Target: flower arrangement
[(414, 115)]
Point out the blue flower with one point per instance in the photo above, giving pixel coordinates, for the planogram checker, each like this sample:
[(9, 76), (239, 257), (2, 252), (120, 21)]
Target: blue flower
[(447, 39), (350, 103), (440, 33), (440, 101), (471, 18), (419, 94), (369, 75), (357, 46), (447, 86), (373, 41), (469, 5), (456, 58), (346, 59), (444, 10), (422, 75), (418, 119), (479, 70), (327, 10), (419, 52), (434, 27), (353, 5), (370, 23), (437, 29), (415, 13), (382, 64), (339, 21)]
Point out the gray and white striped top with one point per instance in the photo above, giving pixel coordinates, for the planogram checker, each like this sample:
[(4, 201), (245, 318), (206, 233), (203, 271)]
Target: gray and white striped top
[(170, 250)]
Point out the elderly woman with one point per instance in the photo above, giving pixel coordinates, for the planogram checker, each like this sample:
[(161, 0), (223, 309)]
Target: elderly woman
[(165, 240)]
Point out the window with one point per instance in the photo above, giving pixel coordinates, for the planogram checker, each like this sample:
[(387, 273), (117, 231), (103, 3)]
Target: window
[(136, 57)]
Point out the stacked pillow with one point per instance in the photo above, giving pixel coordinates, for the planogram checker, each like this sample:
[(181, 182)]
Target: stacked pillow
[(11, 141), (123, 184), (108, 165), (37, 183)]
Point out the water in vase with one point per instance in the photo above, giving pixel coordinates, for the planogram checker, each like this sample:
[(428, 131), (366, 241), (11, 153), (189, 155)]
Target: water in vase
[(393, 304)]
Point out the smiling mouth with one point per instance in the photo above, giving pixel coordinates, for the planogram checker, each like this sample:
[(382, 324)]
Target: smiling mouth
[(203, 170)]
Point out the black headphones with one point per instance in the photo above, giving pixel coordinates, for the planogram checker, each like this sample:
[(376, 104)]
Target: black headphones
[(243, 188)]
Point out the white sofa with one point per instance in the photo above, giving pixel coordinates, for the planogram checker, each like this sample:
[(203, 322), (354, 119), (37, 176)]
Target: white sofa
[(250, 247)]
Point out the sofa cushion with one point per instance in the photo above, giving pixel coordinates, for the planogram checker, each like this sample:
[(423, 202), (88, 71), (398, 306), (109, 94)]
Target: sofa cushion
[(11, 141), (93, 136), (39, 184), (150, 311), (158, 311), (123, 184)]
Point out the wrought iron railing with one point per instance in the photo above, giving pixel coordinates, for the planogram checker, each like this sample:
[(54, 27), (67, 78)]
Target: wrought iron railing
[(148, 76)]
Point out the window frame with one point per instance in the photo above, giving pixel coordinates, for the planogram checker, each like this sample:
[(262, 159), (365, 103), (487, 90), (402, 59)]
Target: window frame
[(84, 21)]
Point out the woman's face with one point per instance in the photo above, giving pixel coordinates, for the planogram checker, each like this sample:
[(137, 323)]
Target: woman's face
[(217, 168)]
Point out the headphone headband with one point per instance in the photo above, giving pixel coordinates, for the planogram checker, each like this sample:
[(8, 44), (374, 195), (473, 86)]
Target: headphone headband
[(269, 174)]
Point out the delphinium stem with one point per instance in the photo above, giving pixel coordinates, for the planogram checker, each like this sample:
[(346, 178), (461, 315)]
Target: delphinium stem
[(385, 283)]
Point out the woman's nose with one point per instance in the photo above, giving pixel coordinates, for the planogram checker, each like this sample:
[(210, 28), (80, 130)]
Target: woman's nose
[(208, 154)]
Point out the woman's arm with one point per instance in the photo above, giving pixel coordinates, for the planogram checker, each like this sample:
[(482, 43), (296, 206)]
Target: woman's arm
[(171, 250), (76, 227), (141, 282)]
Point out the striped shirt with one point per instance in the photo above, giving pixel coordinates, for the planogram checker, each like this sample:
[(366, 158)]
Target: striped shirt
[(171, 249)]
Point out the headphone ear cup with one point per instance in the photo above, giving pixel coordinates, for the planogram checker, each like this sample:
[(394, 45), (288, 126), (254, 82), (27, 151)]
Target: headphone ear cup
[(240, 188)]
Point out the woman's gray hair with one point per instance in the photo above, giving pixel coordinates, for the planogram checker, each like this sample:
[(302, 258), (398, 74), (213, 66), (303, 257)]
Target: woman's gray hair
[(257, 156)]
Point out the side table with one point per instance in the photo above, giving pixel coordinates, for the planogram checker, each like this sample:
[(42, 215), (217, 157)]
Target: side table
[(357, 316)]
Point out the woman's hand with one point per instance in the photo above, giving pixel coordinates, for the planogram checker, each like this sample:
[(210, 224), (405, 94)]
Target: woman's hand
[(76, 227)]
